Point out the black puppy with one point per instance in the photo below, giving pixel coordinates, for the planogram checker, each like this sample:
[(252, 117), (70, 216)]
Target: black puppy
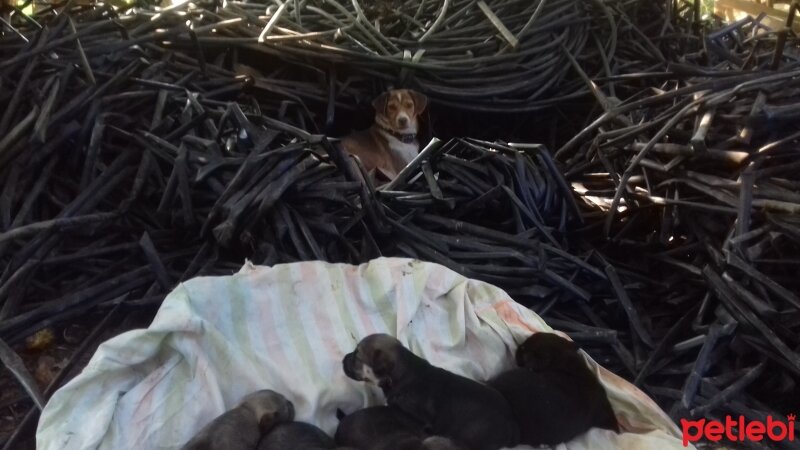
[(243, 426), (440, 443), (379, 428), (387, 428), (445, 403), (297, 436), (554, 395)]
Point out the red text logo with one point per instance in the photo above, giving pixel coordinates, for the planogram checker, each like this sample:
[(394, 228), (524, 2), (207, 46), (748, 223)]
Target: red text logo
[(738, 430)]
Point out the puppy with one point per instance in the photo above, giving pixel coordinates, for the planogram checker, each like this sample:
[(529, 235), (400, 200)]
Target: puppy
[(440, 443), (387, 428), (553, 394), (380, 428), (445, 403), (243, 426), (296, 436), (391, 142)]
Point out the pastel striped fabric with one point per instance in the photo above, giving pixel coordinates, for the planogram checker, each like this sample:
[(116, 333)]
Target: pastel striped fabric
[(287, 328)]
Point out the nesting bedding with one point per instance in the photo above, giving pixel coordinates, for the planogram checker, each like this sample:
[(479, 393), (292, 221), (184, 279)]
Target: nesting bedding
[(286, 328)]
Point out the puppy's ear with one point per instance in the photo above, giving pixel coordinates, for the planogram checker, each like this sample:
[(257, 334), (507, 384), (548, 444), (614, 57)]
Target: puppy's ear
[(573, 346), (383, 367), (522, 357), (382, 363), (267, 422), (380, 103), (420, 102), (519, 357), (521, 354), (385, 382)]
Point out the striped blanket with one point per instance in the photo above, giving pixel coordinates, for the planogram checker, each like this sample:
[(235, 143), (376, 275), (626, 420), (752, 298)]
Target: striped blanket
[(287, 328)]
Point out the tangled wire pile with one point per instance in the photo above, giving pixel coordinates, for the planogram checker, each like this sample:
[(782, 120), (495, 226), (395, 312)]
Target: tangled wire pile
[(699, 178), (514, 52)]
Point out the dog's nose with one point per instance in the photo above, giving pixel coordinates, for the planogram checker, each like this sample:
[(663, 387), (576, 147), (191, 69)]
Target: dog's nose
[(402, 121)]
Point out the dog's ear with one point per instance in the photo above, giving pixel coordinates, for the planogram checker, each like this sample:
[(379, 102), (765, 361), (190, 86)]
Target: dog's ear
[(573, 346), (380, 103), (385, 383), (420, 101), (382, 366), (525, 359), (519, 358), (382, 363), (267, 422)]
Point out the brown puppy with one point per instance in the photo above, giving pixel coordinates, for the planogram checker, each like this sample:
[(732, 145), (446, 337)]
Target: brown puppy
[(446, 404), (391, 142), (553, 394), (243, 426)]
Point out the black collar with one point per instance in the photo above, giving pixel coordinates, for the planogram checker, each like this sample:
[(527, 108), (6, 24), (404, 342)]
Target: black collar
[(405, 138)]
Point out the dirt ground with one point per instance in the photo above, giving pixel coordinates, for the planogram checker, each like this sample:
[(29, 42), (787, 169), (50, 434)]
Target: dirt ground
[(45, 354)]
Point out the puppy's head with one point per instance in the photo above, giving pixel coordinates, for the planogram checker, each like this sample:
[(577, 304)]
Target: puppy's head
[(545, 350), (398, 109), (377, 359), (269, 407)]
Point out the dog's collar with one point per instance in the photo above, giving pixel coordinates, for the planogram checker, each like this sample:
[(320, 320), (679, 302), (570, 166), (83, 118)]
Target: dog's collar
[(405, 138)]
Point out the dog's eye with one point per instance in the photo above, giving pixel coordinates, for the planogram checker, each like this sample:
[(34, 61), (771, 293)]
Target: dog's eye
[(392, 106), (408, 105)]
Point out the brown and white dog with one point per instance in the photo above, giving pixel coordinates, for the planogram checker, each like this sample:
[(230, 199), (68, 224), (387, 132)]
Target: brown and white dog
[(391, 142)]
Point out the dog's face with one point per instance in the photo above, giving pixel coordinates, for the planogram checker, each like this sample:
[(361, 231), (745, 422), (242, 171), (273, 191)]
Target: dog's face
[(398, 109), (543, 350), (269, 407), (374, 360)]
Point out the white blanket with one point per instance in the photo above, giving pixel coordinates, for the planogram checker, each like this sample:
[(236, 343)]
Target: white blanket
[(287, 328)]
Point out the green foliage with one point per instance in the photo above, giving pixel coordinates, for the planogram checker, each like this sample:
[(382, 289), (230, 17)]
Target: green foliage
[(707, 7), (27, 10)]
